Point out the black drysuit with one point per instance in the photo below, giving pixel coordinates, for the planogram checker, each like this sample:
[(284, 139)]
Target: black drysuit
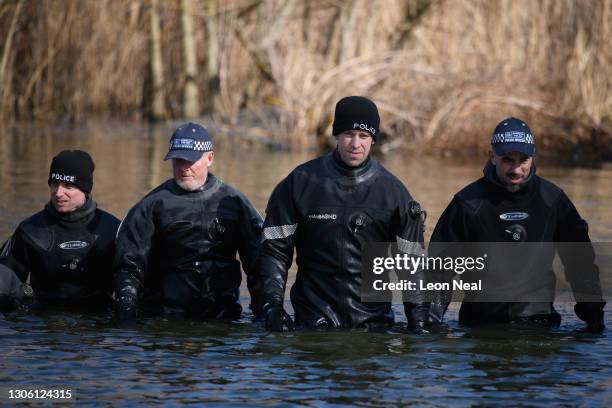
[(65, 257), (328, 212), (176, 252), (540, 212)]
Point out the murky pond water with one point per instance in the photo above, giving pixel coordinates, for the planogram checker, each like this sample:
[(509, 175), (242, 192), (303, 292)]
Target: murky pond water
[(173, 361)]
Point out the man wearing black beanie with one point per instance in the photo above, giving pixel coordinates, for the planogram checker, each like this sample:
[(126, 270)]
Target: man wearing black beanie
[(62, 255), (329, 209)]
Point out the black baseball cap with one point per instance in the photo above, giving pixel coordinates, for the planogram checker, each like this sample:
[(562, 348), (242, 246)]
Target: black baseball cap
[(512, 135), (189, 142)]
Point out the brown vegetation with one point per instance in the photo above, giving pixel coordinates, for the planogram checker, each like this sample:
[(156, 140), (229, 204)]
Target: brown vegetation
[(442, 71)]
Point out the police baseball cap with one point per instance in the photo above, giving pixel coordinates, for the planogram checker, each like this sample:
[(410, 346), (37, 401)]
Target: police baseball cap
[(512, 135), (189, 142)]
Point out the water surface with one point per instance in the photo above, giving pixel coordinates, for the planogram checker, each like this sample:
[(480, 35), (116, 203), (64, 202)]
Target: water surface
[(173, 361)]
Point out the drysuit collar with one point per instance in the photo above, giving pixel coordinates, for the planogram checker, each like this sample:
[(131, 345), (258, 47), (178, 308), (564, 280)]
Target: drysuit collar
[(347, 170), (491, 175), (80, 213), (211, 181)]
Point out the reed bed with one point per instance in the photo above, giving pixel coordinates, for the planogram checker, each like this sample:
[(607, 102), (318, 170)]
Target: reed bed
[(443, 72)]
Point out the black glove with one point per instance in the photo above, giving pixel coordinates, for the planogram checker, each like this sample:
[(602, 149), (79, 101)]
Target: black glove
[(277, 319), (592, 314), (417, 315), (11, 289), (437, 309), (126, 308)]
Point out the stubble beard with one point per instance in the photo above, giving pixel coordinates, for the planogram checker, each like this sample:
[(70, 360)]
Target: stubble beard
[(191, 185)]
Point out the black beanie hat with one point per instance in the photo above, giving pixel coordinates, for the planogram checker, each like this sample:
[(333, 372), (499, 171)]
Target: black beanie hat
[(73, 167), (356, 113)]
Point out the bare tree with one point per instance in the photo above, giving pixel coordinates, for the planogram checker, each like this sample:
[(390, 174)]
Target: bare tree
[(157, 65), (7, 50), (191, 103), (212, 31)]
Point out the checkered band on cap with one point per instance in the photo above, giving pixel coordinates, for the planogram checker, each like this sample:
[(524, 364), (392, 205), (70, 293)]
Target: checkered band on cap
[(512, 137), (191, 144), (205, 146)]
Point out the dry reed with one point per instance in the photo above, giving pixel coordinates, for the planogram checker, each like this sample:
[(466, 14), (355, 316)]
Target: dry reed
[(443, 72)]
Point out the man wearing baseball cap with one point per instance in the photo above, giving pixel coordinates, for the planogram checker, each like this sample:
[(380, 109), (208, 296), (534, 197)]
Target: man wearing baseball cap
[(328, 209), (62, 255), (176, 248), (511, 204)]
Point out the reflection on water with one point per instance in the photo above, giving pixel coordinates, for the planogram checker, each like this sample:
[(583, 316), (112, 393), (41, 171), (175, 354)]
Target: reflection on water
[(176, 361)]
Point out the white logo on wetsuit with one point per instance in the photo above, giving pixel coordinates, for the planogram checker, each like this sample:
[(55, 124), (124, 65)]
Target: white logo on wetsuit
[(514, 216), (73, 245), (322, 216)]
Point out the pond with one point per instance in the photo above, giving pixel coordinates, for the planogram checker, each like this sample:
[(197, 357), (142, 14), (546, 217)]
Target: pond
[(172, 361)]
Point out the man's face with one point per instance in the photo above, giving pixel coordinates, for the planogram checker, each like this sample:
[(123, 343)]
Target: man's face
[(66, 197), (192, 175), (512, 169), (354, 146)]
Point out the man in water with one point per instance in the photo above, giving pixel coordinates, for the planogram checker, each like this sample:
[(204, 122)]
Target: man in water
[(176, 248), (63, 254), (328, 209), (512, 204)]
